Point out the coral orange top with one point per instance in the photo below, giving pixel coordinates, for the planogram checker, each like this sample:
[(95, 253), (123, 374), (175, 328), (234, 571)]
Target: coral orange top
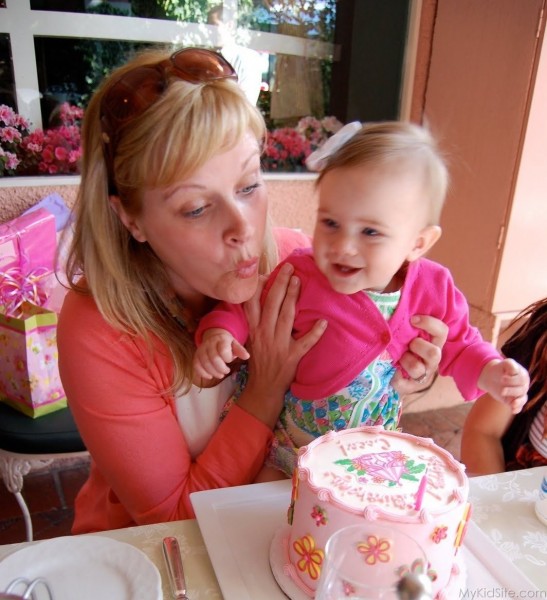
[(143, 467)]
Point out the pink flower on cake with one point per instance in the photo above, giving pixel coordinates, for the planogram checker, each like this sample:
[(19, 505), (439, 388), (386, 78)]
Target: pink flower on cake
[(349, 590), (312, 558), (319, 515), (439, 534), (375, 550)]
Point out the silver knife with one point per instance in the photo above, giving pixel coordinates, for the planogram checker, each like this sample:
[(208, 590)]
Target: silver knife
[(173, 560)]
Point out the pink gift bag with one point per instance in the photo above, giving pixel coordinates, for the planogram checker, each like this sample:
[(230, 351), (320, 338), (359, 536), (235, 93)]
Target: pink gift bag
[(29, 373)]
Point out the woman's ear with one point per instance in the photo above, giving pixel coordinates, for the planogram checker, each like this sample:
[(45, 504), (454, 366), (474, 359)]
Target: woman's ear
[(426, 239), (130, 223)]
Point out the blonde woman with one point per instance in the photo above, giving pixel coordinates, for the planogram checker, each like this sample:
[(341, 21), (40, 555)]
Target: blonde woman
[(171, 217)]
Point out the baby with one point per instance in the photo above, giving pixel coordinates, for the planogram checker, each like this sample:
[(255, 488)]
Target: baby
[(381, 190)]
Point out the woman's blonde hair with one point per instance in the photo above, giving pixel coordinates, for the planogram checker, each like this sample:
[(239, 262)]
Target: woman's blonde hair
[(397, 143), (185, 127)]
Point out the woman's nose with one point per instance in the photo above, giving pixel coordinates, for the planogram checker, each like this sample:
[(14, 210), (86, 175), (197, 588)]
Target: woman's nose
[(238, 228)]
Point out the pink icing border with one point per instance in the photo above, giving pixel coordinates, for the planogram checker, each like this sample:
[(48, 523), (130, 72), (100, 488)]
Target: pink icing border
[(374, 513)]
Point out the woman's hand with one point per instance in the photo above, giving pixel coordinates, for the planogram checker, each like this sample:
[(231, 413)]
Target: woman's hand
[(422, 359), (275, 354)]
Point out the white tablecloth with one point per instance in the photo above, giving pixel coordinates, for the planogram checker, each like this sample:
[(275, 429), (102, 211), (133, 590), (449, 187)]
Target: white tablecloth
[(503, 507)]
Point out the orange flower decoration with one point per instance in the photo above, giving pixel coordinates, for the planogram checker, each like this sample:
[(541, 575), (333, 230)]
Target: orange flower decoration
[(439, 534), (375, 550), (312, 558)]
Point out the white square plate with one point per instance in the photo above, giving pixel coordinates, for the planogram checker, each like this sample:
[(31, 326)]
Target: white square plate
[(239, 523)]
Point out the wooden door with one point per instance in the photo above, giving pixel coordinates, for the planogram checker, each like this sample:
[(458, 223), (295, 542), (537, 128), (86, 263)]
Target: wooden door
[(523, 270), (483, 63)]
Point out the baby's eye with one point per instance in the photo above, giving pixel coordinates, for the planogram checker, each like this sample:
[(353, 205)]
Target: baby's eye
[(330, 223), (370, 232)]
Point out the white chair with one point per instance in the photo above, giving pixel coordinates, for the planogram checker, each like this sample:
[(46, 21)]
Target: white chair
[(27, 444)]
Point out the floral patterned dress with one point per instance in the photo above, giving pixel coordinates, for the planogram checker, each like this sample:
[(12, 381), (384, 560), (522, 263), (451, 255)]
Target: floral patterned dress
[(367, 400)]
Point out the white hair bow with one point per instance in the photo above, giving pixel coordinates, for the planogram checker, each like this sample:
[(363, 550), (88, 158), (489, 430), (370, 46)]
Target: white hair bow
[(317, 160)]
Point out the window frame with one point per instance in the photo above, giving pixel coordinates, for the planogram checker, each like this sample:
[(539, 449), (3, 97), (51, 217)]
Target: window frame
[(22, 24)]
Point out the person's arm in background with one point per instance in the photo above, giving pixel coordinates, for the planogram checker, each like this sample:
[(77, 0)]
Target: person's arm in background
[(483, 451), (481, 448)]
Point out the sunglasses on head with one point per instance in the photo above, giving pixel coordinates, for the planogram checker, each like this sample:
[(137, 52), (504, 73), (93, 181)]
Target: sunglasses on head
[(137, 90)]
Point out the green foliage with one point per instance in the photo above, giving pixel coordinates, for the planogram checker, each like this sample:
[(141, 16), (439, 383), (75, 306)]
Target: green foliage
[(101, 56), (314, 19), (147, 9), (194, 11)]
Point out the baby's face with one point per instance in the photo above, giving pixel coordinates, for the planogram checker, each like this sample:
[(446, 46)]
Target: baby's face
[(369, 222)]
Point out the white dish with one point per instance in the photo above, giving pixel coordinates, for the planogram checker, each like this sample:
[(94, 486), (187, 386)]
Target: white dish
[(87, 568), (238, 525)]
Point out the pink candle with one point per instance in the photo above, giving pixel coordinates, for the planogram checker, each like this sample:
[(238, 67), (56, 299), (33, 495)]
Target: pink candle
[(421, 491)]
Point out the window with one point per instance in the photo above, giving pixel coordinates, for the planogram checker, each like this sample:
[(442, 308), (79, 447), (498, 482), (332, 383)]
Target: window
[(317, 57), (56, 50)]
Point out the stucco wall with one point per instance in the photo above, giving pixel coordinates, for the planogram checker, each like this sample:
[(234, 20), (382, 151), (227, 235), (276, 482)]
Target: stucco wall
[(16, 197)]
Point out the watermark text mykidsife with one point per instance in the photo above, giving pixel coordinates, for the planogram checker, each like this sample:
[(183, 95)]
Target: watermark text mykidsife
[(501, 592)]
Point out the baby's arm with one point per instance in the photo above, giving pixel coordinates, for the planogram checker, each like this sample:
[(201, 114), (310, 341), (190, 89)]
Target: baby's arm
[(507, 382), (218, 348)]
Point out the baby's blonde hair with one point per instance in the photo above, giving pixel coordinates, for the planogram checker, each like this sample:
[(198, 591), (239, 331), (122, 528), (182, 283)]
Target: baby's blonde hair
[(397, 143), (185, 127)]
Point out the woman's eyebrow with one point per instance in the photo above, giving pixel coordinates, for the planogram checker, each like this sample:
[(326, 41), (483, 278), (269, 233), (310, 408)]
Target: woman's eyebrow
[(169, 192), (200, 186)]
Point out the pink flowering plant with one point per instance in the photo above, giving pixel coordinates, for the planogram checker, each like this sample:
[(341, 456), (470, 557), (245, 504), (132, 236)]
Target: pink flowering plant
[(56, 151), (13, 129), (52, 151), (286, 150), (288, 147), (317, 131)]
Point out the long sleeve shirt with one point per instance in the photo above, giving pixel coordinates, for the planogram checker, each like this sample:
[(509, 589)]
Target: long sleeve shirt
[(143, 470), (357, 332)]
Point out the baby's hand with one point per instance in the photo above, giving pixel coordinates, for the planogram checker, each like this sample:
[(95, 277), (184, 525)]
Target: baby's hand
[(506, 381), (217, 350)]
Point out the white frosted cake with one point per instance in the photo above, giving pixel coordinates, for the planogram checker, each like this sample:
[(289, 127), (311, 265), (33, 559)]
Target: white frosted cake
[(386, 477)]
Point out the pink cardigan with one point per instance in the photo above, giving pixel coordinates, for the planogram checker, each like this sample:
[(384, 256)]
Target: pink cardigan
[(141, 470), (357, 333)]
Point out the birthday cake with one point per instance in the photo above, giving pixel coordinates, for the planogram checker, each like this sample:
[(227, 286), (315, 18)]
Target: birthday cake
[(384, 477)]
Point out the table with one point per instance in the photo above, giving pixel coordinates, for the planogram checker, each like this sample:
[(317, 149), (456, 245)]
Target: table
[(503, 508), (199, 571)]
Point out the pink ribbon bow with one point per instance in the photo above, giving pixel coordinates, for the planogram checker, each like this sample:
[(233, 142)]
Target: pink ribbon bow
[(17, 288)]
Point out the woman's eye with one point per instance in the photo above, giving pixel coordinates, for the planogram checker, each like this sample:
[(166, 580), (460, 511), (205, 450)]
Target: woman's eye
[(194, 213), (249, 189)]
